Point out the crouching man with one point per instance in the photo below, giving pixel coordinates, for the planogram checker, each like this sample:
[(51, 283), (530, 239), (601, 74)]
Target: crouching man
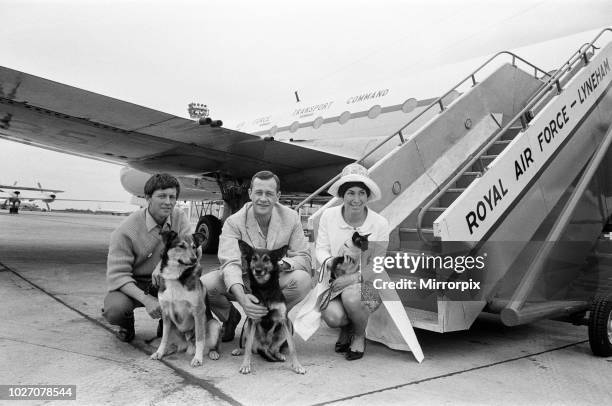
[(134, 252), (261, 223)]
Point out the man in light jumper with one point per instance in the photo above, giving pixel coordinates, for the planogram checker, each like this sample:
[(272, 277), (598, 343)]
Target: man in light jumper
[(135, 250)]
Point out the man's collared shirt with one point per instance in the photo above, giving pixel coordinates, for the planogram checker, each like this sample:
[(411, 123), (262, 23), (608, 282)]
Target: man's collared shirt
[(285, 228), (152, 224)]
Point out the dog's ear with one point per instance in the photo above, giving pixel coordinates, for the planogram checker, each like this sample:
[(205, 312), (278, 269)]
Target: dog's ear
[(245, 249), (364, 244), (198, 239), (168, 236), (361, 240), (279, 253)]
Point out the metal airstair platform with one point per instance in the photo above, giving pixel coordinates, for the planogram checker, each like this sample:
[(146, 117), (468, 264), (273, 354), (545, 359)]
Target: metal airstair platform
[(516, 171)]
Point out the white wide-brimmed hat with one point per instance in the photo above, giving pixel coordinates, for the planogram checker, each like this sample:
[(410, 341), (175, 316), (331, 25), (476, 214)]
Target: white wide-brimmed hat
[(356, 173)]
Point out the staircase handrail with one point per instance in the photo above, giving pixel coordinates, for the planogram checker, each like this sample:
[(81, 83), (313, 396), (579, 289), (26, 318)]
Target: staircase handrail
[(438, 101), (552, 83)]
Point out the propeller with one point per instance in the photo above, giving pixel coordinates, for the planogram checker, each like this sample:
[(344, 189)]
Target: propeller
[(41, 191)]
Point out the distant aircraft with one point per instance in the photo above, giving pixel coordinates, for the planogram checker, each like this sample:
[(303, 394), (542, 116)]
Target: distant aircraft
[(306, 146), (15, 196)]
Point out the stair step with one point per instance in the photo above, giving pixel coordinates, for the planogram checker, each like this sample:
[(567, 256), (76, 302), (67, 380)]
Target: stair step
[(437, 209), (431, 215), (482, 162), (414, 230), (450, 196), (497, 147), (410, 234), (467, 178), (511, 133)]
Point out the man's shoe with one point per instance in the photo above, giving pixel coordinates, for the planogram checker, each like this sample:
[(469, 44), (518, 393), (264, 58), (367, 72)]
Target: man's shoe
[(160, 328), (125, 334), (229, 327)]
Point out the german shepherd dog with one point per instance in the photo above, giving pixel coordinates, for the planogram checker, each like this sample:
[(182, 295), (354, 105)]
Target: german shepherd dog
[(267, 335), (182, 298), (347, 262)]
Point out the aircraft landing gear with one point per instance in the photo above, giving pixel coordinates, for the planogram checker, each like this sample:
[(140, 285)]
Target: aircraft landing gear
[(600, 327), (210, 226), (14, 205), (234, 193)]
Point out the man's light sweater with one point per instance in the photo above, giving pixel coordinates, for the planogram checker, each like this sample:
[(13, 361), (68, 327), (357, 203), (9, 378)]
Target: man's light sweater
[(136, 246)]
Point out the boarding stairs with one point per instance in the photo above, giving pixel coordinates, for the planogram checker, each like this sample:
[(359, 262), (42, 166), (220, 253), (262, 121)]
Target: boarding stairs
[(436, 182)]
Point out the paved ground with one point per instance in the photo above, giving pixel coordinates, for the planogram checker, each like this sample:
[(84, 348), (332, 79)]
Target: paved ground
[(52, 285)]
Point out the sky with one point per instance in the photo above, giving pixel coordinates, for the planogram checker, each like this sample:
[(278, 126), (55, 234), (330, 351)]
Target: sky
[(245, 58)]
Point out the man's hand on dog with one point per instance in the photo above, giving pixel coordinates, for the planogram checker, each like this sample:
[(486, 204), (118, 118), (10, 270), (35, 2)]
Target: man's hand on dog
[(153, 308), (251, 307)]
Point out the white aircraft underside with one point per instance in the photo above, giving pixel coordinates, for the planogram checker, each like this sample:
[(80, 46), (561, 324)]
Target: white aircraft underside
[(307, 146)]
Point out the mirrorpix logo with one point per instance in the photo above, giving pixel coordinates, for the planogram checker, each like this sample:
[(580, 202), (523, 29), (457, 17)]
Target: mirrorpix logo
[(427, 265)]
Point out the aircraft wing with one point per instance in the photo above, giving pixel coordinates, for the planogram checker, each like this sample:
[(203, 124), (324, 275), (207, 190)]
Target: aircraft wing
[(15, 187), (51, 115)]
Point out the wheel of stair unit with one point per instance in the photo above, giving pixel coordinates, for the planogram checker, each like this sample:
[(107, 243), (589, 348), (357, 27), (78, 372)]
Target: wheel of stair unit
[(600, 327), (210, 226)]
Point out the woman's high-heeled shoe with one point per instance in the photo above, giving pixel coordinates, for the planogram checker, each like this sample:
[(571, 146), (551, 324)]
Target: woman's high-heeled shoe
[(353, 355), (344, 341)]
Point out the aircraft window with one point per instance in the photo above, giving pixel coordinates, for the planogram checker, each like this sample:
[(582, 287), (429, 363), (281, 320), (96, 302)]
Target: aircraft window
[(374, 111), (294, 127), (409, 105), (273, 130), (317, 123), (344, 117)]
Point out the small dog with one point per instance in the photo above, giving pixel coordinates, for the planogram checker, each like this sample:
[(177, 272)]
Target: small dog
[(268, 335), (182, 298), (347, 261)]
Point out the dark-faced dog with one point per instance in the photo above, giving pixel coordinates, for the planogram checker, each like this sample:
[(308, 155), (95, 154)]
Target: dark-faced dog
[(267, 335), (347, 261), (182, 299)]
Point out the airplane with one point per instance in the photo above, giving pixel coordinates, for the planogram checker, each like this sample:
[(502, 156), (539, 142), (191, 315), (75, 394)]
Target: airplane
[(22, 196), (15, 197), (305, 146)]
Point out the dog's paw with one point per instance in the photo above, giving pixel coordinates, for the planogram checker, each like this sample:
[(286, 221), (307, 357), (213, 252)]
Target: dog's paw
[(157, 355), (280, 356), (245, 369), (214, 355), (196, 362), (298, 369), (236, 352)]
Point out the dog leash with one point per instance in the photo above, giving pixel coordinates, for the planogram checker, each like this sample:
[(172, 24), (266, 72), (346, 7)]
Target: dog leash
[(326, 295)]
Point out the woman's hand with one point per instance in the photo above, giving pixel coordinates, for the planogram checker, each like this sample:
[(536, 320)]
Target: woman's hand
[(343, 281)]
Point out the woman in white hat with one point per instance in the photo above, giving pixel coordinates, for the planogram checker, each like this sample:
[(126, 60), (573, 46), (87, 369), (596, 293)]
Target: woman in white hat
[(346, 308)]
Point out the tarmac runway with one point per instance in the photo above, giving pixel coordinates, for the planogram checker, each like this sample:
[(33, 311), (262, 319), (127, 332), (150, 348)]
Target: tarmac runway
[(52, 284)]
